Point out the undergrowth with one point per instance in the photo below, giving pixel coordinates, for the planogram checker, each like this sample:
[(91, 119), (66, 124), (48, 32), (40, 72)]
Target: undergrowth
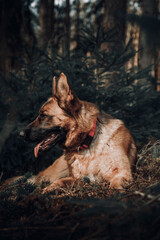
[(85, 210)]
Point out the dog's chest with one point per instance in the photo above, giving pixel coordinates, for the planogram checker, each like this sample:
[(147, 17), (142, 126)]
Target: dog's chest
[(84, 166)]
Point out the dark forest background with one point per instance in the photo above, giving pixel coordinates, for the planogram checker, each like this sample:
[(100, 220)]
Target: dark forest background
[(109, 51)]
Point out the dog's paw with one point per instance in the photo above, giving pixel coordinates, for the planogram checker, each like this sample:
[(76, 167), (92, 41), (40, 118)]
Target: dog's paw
[(45, 190), (48, 189), (63, 182)]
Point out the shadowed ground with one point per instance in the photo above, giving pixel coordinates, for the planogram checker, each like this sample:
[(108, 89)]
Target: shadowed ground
[(86, 211)]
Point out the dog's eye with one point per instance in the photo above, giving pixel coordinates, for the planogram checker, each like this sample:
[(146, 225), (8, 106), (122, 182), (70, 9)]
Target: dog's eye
[(42, 116)]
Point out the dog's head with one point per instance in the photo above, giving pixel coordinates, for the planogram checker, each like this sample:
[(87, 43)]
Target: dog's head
[(56, 118)]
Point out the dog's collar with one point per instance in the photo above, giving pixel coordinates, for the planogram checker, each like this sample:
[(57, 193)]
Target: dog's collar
[(89, 137)]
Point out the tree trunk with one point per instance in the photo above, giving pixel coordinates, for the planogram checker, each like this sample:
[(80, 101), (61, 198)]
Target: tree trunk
[(43, 20), (51, 20), (28, 34), (77, 23), (10, 32), (149, 53), (114, 17), (46, 19), (67, 30), (146, 53)]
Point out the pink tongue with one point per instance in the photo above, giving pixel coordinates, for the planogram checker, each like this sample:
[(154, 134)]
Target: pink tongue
[(36, 150)]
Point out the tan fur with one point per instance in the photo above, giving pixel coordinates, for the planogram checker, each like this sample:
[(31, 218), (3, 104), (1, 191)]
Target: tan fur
[(111, 154)]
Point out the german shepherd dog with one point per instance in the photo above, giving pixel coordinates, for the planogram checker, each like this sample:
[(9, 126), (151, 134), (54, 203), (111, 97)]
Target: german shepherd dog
[(95, 145)]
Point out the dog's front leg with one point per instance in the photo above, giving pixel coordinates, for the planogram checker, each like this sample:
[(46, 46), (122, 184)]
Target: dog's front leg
[(59, 169), (63, 182)]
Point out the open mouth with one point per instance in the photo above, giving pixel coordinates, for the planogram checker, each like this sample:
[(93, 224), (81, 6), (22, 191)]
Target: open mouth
[(50, 141)]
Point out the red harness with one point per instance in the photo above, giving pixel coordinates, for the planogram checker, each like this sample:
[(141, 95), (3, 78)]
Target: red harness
[(89, 137)]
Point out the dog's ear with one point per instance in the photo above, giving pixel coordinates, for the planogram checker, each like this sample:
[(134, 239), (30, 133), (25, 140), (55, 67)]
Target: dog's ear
[(63, 91), (67, 99)]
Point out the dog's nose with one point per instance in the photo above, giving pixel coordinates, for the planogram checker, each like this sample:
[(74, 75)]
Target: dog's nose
[(22, 133)]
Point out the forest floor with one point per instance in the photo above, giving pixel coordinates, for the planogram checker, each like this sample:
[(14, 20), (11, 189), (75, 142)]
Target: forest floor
[(87, 211)]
